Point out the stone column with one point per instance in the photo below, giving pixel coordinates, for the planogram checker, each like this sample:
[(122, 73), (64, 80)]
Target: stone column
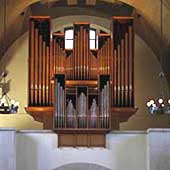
[(7, 149), (158, 149)]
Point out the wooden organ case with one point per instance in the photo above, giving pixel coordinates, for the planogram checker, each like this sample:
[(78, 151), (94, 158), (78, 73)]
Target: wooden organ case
[(80, 93)]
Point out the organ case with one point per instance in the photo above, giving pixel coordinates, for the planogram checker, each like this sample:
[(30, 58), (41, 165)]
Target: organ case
[(39, 62), (85, 91)]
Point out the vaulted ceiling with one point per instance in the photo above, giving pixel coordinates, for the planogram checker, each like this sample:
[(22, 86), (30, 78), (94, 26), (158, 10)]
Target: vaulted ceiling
[(146, 13)]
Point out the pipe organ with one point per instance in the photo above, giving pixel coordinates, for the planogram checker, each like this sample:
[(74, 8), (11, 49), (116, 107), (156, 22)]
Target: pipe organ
[(86, 88)]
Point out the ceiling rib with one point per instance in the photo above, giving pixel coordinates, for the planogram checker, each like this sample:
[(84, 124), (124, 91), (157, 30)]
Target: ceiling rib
[(49, 3), (72, 2), (91, 2)]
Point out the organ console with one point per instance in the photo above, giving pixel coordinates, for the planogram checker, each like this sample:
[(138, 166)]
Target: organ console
[(81, 91)]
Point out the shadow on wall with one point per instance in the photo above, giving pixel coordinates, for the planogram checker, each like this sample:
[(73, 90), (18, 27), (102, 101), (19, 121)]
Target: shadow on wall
[(81, 166)]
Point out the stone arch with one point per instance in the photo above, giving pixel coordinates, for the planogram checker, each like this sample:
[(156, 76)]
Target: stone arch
[(138, 8), (81, 166)]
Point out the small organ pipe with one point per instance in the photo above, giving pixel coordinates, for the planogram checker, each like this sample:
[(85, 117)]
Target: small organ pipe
[(47, 75), (40, 68), (58, 104), (126, 69), (36, 67), (43, 72), (54, 55), (51, 66), (87, 54), (118, 68), (31, 65), (115, 78), (108, 104), (55, 105), (122, 73), (130, 66), (63, 105)]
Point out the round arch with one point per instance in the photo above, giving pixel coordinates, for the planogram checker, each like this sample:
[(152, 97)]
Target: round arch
[(147, 27), (81, 166), (138, 6)]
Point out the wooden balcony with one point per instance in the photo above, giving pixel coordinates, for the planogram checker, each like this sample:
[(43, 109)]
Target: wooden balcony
[(89, 133), (46, 116)]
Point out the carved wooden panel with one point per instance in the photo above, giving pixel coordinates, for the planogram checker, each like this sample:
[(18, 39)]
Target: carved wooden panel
[(81, 140)]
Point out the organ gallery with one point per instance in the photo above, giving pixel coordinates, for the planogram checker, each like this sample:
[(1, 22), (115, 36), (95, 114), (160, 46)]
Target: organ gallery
[(81, 92)]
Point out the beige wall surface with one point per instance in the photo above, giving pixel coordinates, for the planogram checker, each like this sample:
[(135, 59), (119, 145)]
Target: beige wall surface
[(147, 68), (19, 121)]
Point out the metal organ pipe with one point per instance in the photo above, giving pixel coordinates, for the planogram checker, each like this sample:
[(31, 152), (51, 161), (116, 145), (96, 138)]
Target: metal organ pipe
[(130, 65), (86, 66), (40, 68), (126, 69), (36, 63), (118, 72), (31, 65), (115, 77), (43, 73), (104, 105), (48, 76), (107, 103), (122, 73), (59, 105)]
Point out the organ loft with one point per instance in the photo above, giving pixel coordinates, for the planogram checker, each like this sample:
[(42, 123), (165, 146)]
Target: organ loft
[(81, 93)]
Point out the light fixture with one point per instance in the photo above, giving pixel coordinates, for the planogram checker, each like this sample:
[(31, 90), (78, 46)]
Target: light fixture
[(7, 105), (160, 105)]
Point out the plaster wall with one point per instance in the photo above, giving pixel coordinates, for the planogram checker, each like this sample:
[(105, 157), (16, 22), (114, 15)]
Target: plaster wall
[(7, 149), (125, 150), (39, 151), (158, 141), (129, 150)]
